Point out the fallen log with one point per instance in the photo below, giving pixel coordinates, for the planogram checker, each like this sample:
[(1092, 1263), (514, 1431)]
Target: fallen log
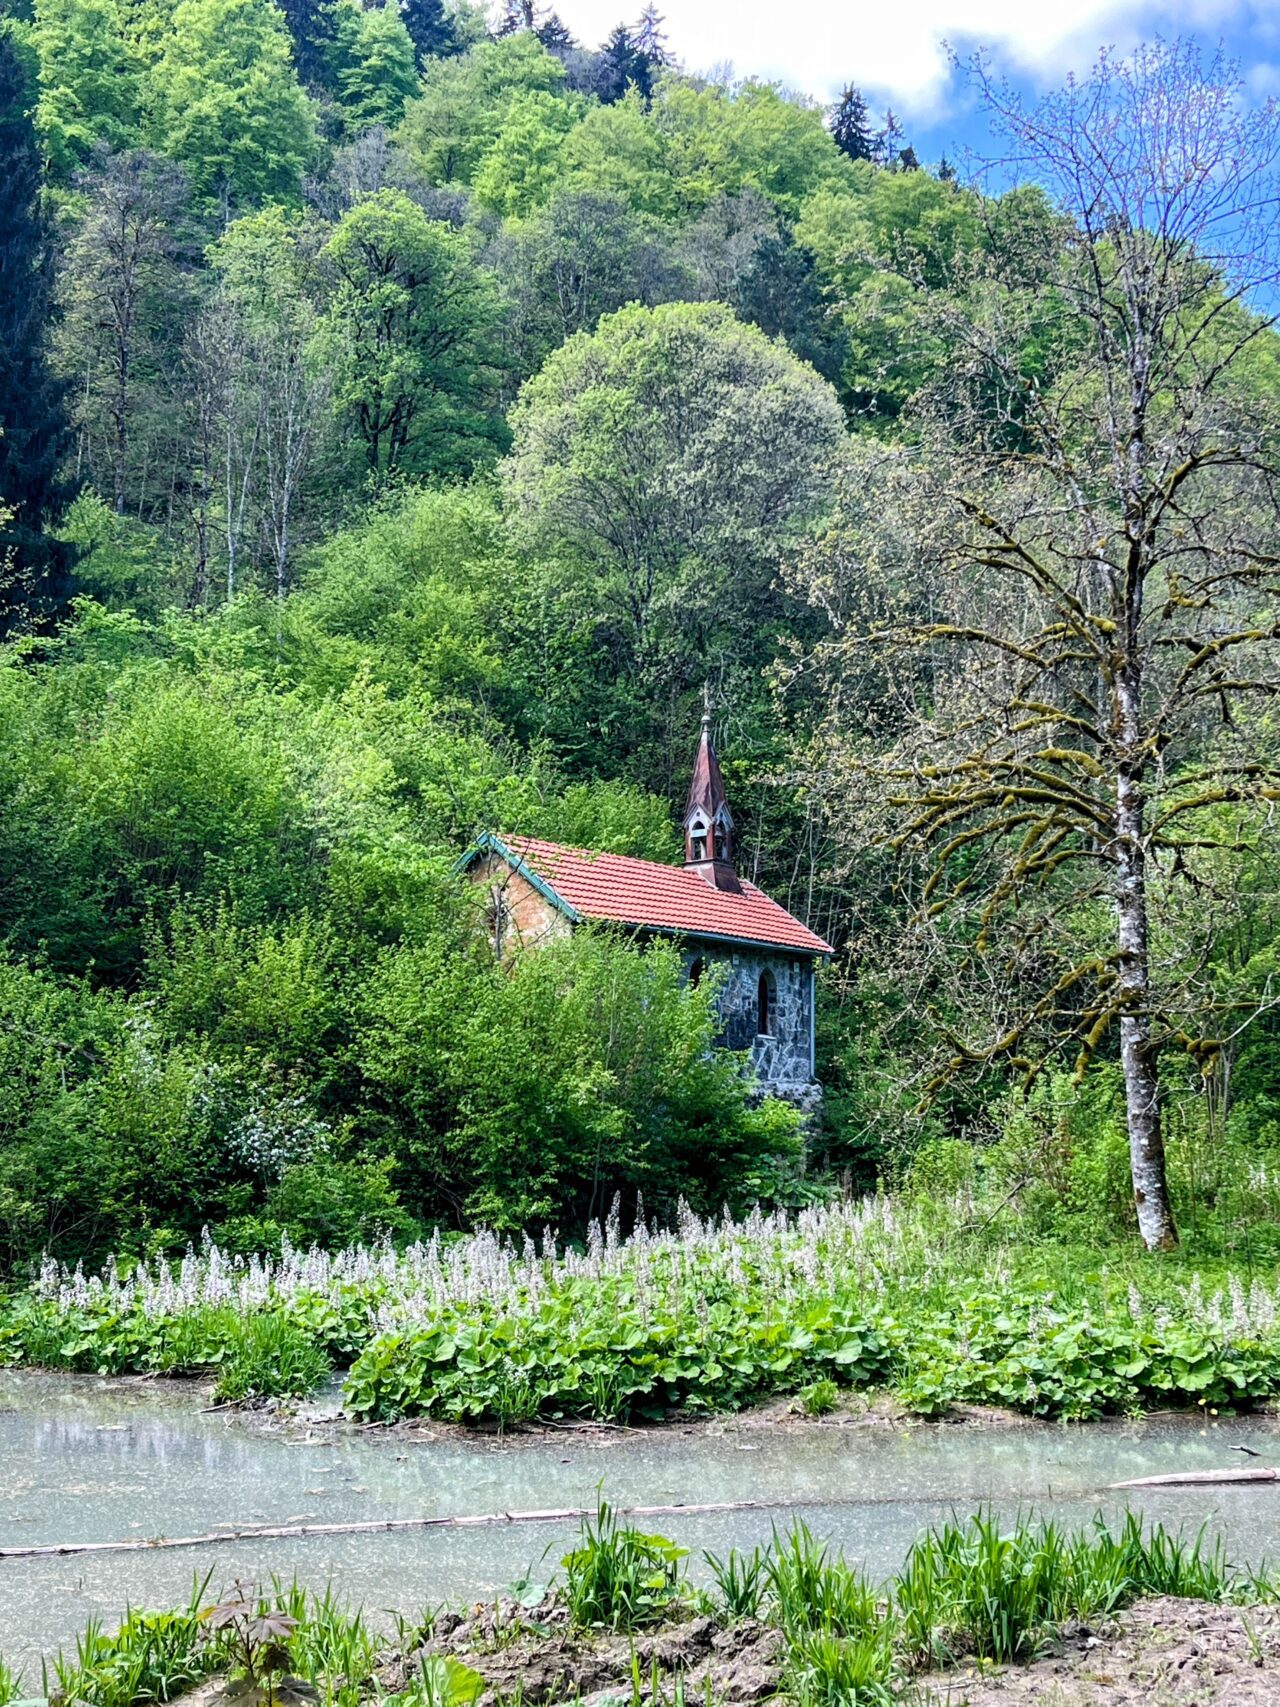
[(383, 1525), (1200, 1478)]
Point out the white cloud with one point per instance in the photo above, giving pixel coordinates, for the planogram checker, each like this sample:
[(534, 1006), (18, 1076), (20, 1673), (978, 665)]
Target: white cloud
[(894, 49)]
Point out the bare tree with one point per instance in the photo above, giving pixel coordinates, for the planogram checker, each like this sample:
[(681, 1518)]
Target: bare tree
[(1063, 598), (295, 396), (122, 293)]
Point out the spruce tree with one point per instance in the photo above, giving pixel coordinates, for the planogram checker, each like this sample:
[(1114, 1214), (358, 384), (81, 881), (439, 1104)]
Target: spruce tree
[(632, 57), (555, 35), (517, 15), (312, 27), (430, 29), (851, 126), (34, 568)]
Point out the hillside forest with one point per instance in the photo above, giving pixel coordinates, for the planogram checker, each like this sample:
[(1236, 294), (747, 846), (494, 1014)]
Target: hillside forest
[(408, 414)]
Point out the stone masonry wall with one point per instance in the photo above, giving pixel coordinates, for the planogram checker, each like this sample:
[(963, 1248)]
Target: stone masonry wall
[(781, 1059)]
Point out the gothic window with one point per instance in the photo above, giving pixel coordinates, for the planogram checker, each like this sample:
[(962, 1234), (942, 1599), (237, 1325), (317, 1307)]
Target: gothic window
[(695, 973), (766, 1003)]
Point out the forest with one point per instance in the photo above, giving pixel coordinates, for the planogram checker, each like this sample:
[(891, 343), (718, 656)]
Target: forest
[(408, 414)]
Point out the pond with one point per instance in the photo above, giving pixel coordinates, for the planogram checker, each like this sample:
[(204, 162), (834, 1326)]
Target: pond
[(89, 1460)]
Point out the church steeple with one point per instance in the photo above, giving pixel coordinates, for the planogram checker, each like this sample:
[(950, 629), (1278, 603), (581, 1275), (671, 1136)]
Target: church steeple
[(708, 822)]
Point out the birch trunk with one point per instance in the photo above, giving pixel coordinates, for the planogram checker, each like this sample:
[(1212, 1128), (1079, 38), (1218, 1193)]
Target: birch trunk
[(1137, 1048)]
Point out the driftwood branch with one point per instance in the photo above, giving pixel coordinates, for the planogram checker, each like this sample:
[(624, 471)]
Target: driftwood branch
[(379, 1526), (1200, 1478)]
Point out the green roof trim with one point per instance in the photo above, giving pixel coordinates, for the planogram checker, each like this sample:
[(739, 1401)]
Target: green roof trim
[(489, 843)]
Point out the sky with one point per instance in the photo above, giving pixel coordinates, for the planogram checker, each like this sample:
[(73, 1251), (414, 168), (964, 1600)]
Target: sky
[(896, 50)]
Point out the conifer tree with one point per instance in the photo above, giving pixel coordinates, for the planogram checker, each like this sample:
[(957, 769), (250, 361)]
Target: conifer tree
[(632, 57), (517, 15), (312, 29), (32, 422), (429, 27), (851, 126), (555, 35)]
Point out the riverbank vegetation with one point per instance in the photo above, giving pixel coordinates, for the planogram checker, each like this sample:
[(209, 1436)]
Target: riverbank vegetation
[(397, 442), (792, 1619), (933, 1298)]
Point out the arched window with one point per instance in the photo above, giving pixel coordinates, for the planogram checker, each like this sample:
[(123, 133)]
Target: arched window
[(766, 1002), (695, 973)]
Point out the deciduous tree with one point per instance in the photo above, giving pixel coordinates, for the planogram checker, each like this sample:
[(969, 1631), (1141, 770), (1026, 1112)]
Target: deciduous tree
[(123, 294), (1062, 605), (409, 330), (230, 109), (90, 81)]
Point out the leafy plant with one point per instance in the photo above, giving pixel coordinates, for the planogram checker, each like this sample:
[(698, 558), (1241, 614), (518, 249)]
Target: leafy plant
[(811, 1590), (269, 1355), (827, 1670), (740, 1580), (254, 1637), (439, 1681), (153, 1656), (618, 1578), (820, 1398)]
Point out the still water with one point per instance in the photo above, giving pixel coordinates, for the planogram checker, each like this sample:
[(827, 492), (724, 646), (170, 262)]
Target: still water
[(89, 1460)]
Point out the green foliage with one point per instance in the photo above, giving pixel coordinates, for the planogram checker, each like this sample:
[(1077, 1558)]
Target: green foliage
[(600, 1351), (670, 452), (153, 1656), (618, 1578), (820, 1399), (450, 127), (585, 1069), (270, 1355), (969, 1589), (1034, 1353), (740, 1582), (523, 164), (89, 81), (33, 566), (408, 330), (981, 1588), (379, 73), (228, 105)]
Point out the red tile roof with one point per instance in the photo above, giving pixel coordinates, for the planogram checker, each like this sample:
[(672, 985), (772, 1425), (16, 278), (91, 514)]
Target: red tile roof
[(663, 897)]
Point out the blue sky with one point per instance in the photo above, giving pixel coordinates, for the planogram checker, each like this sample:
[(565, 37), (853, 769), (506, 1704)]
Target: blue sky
[(895, 49)]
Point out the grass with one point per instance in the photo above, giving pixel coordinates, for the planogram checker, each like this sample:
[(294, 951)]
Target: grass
[(970, 1587)]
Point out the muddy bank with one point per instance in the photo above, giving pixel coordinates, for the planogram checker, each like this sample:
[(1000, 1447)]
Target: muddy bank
[(1159, 1653)]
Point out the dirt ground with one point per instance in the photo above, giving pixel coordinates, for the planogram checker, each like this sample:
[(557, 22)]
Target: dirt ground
[(549, 1663), (1160, 1653)]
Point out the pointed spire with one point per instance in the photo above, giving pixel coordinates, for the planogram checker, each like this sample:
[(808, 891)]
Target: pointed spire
[(708, 822)]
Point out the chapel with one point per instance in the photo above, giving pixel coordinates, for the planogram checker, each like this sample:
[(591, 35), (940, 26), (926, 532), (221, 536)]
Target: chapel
[(538, 890)]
